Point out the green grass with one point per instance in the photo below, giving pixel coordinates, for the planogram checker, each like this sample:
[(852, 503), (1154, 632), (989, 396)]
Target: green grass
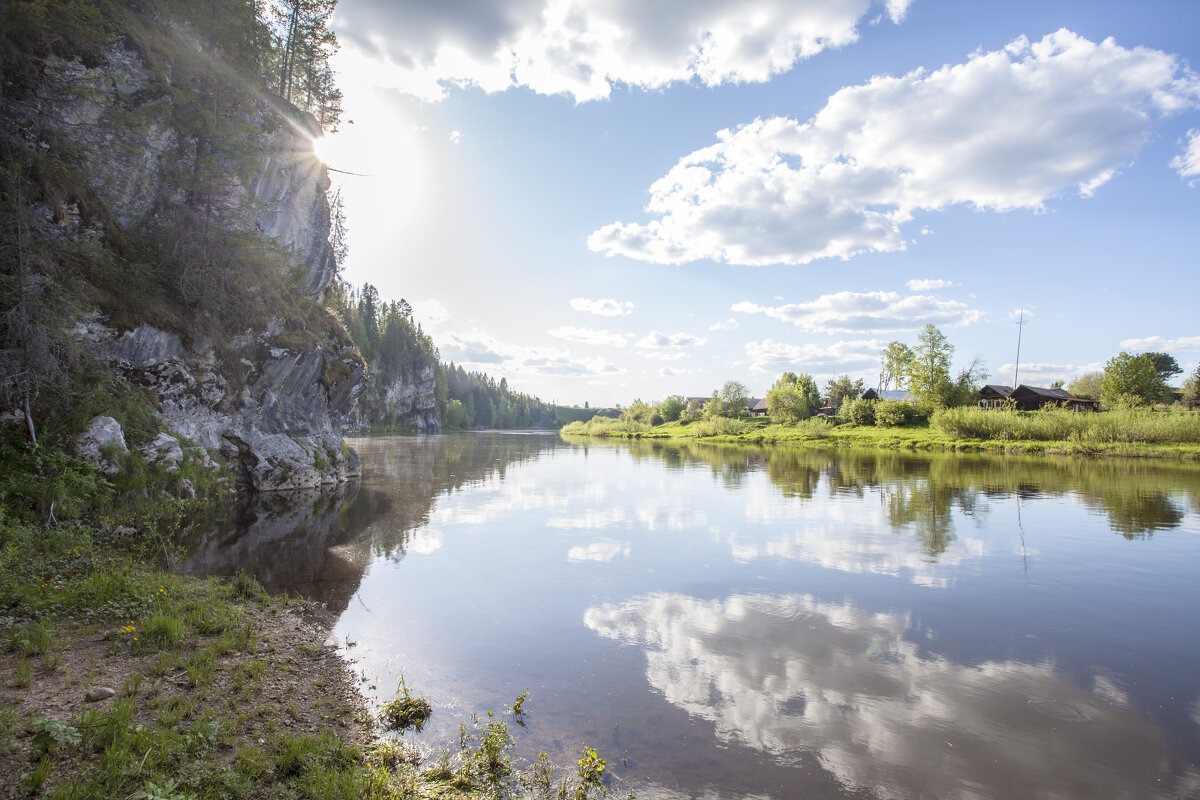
[(1139, 433)]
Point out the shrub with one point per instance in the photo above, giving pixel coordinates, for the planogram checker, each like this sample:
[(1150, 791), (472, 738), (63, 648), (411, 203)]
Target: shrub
[(893, 413), (859, 411)]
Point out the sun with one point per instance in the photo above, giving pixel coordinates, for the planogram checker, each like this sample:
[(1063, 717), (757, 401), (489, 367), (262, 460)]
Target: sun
[(321, 148)]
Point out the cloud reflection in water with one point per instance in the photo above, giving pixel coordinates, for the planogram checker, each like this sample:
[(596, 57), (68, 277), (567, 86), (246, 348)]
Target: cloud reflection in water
[(788, 674)]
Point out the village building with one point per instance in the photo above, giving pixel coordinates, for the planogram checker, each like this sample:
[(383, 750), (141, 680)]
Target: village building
[(887, 394), (1031, 398), (994, 395)]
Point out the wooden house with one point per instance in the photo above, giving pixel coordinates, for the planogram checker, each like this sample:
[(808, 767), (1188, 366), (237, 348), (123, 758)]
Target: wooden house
[(757, 406), (1031, 398), (993, 395)]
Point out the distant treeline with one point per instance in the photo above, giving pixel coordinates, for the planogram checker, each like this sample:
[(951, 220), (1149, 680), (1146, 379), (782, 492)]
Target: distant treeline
[(394, 347), (476, 400)]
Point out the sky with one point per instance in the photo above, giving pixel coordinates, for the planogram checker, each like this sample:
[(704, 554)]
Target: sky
[(609, 200)]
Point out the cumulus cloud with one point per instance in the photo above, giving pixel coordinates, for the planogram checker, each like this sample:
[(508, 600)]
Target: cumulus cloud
[(724, 325), (455, 137), (430, 311), (672, 372), (1008, 129), (585, 47), (477, 349), (603, 307), (668, 346), (1159, 344), (1187, 163), (928, 284), (1037, 373), (879, 711), (867, 312), (772, 357), (590, 336)]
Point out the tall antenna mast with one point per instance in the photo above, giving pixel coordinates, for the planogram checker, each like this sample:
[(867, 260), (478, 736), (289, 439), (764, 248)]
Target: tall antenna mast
[(1021, 323)]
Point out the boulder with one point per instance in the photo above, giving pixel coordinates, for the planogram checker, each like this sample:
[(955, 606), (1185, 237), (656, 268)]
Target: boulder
[(102, 436)]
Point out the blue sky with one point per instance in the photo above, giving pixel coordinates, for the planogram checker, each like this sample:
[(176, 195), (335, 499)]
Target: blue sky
[(613, 200)]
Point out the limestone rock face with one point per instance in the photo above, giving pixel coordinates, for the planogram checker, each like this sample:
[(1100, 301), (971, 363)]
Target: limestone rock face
[(407, 401), (100, 439), (121, 121), (276, 420)]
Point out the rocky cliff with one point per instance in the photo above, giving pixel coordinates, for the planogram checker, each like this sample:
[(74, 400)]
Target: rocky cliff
[(262, 377), (408, 401)]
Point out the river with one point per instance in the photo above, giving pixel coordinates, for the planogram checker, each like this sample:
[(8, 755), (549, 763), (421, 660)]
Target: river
[(725, 621)]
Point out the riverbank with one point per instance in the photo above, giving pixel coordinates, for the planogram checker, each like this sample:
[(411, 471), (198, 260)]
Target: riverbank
[(124, 679), (1125, 434)]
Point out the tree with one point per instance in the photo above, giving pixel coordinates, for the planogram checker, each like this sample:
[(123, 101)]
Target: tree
[(735, 399), (792, 398), (1165, 365), (1086, 385), (672, 407), (893, 364), (693, 411), (1131, 380), (838, 390), (1191, 389), (965, 389), (928, 372)]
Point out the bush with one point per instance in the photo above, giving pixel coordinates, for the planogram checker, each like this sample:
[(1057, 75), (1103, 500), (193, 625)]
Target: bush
[(718, 426), (1054, 424), (893, 413), (859, 411)]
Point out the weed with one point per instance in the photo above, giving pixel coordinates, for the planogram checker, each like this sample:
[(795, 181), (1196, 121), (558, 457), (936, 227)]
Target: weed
[(24, 675), (35, 779), (162, 630), (51, 734), (167, 790), (405, 711)]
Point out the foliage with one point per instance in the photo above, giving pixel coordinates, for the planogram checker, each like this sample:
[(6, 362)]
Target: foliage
[(672, 407), (841, 389), (893, 413), (51, 734), (859, 411), (1086, 385), (1053, 424), (1131, 380), (491, 404), (405, 711), (718, 426), (734, 398), (928, 372), (1165, 365), (894, 363), (792, 398), (1191, 389)]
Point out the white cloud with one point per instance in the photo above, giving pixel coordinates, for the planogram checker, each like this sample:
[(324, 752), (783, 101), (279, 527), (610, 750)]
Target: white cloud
[(479, 350), (1158, 344), (604, 307), (772, 357), (590, 336), (585, 47), (928, 284), (429, 311), (1034, 373), (672, 372), (1008, 129), (867, 312), (1187, 163), (455, 137), (724, 325), (668, 346)]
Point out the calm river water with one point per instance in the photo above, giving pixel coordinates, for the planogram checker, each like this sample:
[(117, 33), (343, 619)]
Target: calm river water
[(726, 622)]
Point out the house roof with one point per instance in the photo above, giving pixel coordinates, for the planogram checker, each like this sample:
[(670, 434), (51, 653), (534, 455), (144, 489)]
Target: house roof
[(887, 394), (757, 404), (1003, 391), (1056, 393)]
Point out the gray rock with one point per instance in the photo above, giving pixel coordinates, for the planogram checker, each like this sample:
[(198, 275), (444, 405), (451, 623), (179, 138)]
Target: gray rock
[(163, 451), (98, 693), (103, 434)]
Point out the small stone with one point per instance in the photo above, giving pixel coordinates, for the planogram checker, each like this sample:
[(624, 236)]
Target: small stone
[(99, 693)]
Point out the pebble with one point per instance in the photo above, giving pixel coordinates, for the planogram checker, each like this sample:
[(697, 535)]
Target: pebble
[(99, 693)]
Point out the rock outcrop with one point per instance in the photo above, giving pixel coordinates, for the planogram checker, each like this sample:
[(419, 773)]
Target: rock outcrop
[(275, 418), (405, 402), (271, 397)]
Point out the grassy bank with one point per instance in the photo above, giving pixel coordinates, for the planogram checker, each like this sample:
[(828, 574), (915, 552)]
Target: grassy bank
[(122, 679), (1143, 433)]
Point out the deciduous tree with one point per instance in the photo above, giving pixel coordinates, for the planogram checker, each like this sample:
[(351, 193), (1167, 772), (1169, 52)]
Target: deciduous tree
[(1131, 380), (928, 372)]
